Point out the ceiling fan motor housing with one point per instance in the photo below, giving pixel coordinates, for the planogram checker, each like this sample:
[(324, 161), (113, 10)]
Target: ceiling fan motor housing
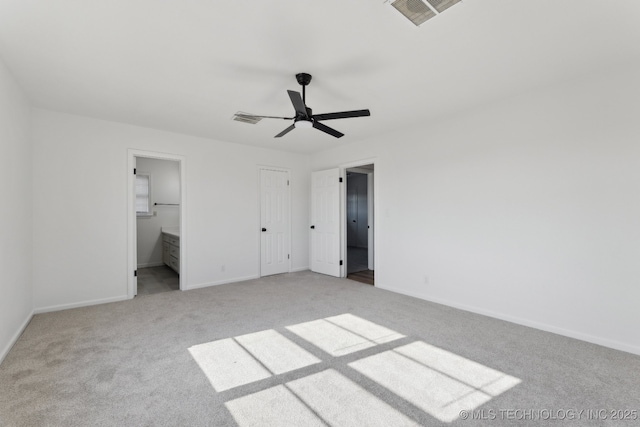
[(300, 116), (303, 78)]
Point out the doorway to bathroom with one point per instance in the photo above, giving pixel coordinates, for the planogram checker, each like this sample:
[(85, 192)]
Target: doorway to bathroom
[(156, 232)]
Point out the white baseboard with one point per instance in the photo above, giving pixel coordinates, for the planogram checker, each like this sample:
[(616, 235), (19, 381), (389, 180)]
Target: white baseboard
[(237, 279), (79, 304), (221, 282), (150, 264), (616, 345), (7, 348)]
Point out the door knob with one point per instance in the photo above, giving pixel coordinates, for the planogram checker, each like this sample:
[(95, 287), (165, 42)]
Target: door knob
[(264, 229)]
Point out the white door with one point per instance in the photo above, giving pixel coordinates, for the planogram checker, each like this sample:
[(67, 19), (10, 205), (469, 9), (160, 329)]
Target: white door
[(370, 218), (352, 211), (135, 229), (274, 222), (325, 222)]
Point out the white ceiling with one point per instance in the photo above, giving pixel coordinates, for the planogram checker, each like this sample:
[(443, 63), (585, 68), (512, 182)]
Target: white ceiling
[(187, 66)]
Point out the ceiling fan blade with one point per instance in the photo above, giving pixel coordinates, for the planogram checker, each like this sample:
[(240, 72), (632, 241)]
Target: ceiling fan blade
[(286, 131), (327, 129), (298, 103), (342, 115), (269, 117)]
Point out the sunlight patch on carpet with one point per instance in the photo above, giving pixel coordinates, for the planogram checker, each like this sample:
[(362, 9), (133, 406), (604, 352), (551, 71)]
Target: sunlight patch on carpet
[(227, 365), (325, 398), (245, 359), (275, 352), (276, 406), (344, 334), (437, 381), (427, 378), (467, 371), (365, 328)]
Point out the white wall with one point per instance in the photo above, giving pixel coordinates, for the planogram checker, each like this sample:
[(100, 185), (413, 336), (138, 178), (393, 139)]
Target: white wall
[(80, 207), (15, 212), (164, 178), (527, 209)]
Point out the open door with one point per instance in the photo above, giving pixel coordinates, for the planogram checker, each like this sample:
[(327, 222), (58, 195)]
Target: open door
[(325, 222), (135, 230), (370, 220)]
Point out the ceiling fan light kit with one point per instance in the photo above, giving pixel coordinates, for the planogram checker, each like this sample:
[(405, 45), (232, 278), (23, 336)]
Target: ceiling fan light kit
[(303, 124), (304, 118), (419, 11)]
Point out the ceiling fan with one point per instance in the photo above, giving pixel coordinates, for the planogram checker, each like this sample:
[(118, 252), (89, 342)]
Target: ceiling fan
[(304, 117)]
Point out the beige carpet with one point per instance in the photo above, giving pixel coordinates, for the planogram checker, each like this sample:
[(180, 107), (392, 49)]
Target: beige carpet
[(305, 349)]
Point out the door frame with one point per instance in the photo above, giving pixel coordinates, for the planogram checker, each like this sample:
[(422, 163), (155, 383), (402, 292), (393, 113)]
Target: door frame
[(259, 223), (343, 211), (131, 215)]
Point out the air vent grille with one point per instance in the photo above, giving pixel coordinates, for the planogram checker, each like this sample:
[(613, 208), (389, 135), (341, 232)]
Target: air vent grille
[(246, 118), (415, 10), (442, 5)]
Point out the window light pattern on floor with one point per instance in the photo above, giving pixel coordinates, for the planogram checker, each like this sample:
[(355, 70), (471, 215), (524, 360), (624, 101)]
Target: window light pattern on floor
[(439, 382), (344, 334), (233, 362), (431, 379), (325, 398)]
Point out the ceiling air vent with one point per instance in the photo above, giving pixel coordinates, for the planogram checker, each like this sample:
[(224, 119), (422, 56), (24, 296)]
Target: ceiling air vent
[(419, 11), (415, 10), (442, 5), (246, 118)]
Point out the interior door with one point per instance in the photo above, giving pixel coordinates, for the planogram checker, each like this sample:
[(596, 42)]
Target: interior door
[(352, 211), (135, 229), (370, 243), (325, 222), (361, 211), (274, 220)]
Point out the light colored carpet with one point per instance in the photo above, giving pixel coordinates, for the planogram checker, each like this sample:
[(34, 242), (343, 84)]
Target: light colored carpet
[(303, 349)]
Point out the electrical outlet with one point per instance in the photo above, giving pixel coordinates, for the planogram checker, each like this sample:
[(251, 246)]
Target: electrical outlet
[(222, 267), (426, 279)]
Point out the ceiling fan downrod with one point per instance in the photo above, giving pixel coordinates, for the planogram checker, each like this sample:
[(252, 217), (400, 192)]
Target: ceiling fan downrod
[(304, 79)]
